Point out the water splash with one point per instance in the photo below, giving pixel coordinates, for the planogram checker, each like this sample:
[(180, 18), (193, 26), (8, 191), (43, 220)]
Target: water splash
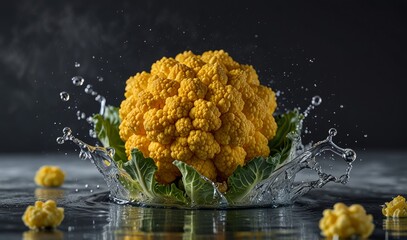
[(279, 189), (99, 98), (102, 158)]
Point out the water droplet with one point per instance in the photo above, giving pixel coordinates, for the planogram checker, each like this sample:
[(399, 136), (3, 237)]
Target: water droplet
[(60, 140), (88, 89), (97, 186), (341, 106), (349, 155), (86, 185), (316, 100), (76, 190), (92, 133), (78, 80), (332, 132), (77, 64), (83, 155), (64, 96), (91, 190), (67, 131), (99, 78), (365, 135)]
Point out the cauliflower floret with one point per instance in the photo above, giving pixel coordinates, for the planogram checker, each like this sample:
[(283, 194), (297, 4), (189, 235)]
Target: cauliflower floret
[(193, 89), (252, 77), (211, 73), (256, 146), (226, 98), (180, 72), (43, 215), (221, 57), (190, 107), (345, 222), (177, 107), (180, 149), (203, 144), (234, 130), (49, 176), (205, 116), (162, 67), (161, 154), (163, 88), (183, 127), (193, 62), (141, 142), (395, 208), (136, 84), (228, 159), (204, 167)]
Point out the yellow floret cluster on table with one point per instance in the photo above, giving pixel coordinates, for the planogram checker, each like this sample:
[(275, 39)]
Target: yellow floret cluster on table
[(206, 110), (49, 176), (43, 215), (343, 221), (395, 208)]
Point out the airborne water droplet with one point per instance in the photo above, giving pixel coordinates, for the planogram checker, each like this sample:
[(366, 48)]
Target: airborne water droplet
[(332, 132), (100, 79), (60, 140), (78, 80), (316, 100), (349, 155), (77, 64), (67, 131), (88, 89), (64, 96)]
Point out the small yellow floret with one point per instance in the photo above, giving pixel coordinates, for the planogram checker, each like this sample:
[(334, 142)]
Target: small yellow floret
[(396, 208), (344, 222), (49, 176), (43, 215)]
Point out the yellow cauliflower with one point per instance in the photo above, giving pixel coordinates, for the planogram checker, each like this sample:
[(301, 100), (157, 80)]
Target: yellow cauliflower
[(345, 222), (49, 176), (395, 208), (43, 215), (205, 110)]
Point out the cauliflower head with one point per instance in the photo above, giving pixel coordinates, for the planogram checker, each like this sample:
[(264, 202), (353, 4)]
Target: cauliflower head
[(206, 110), (43, 215)]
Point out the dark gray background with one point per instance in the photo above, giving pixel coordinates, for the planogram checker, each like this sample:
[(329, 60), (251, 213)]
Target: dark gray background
[(351, 53)]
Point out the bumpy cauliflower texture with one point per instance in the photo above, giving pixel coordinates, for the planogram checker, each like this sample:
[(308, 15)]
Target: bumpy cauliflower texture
[(49, 176), (206, 110), (43, 215), (395, 208), (344, 222)]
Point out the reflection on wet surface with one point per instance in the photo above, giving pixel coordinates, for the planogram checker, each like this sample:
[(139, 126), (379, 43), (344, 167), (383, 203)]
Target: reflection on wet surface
[(89, 214)]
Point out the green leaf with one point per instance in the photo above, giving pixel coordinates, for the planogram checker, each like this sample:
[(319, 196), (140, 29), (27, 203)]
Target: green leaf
[(107, 131), (245, 178), (142, 171), (199, 189), (287, 123)]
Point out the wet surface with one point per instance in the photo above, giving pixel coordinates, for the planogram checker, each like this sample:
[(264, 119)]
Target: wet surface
[(89, 214)]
